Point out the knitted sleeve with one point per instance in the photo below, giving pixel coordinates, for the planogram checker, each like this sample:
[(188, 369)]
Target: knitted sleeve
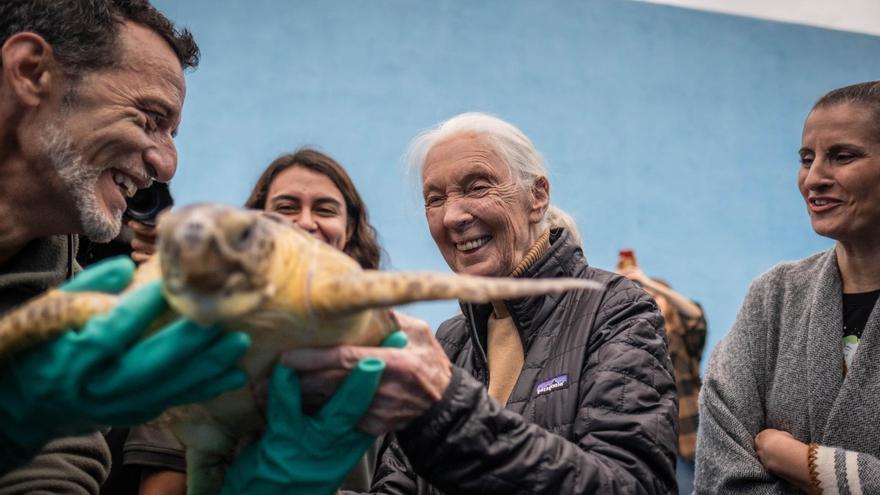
[(837, 470)]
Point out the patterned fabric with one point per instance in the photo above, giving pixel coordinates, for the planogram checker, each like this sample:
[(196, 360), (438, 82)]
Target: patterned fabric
[(686, 340), (837, 471)]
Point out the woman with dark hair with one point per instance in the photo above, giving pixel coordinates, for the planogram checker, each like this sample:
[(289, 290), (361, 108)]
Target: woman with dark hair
[(791, 395), (315, 192)]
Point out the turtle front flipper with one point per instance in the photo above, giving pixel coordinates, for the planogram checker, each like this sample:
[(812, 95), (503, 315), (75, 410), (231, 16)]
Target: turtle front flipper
[(49, 315), (357, 291)]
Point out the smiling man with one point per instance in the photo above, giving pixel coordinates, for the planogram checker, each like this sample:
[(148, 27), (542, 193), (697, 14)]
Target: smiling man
[(91, 93)]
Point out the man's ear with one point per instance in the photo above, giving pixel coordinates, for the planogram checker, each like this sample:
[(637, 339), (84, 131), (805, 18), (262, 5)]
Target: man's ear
[(29, 68), (540, 199)]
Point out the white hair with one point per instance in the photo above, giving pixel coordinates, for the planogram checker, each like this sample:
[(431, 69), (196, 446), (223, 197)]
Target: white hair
[(515, 149)]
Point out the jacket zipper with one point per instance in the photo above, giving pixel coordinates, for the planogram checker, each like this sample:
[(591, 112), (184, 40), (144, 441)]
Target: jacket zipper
[(472, 329)]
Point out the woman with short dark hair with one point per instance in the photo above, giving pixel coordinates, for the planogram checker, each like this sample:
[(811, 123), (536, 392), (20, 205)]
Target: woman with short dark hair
[(791, 395)]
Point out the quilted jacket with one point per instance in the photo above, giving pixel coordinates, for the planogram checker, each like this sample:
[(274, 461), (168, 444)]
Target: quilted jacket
[(593, 411)]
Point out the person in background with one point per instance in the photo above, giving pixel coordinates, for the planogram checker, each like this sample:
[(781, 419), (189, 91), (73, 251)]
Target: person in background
[(317, 194), (686, 334), (791, 394), (569, 393), (91, 94)]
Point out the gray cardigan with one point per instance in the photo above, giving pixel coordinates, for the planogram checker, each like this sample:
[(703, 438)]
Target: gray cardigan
[(781, 366)]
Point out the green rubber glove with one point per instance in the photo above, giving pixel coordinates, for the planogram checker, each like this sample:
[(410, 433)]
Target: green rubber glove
[(102, 375), (309, 455)]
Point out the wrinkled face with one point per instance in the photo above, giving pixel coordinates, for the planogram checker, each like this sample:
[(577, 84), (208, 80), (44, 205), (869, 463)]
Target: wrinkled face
[(482, 221), (311, 201), (839, 176), (117, 135)]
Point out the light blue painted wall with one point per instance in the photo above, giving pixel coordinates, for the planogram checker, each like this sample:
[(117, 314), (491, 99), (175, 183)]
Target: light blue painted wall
[(670, 131)]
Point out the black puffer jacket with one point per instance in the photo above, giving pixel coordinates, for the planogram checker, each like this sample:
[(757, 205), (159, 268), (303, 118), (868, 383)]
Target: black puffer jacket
[(593, 411)]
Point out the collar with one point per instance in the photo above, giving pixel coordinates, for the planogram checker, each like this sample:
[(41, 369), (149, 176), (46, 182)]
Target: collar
[(563, 257), (537, 250)]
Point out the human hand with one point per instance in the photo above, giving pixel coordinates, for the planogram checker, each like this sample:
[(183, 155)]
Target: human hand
[(634, 273), (415, 377), (304, 454), (103, 375), (143, 244), (784, 456)]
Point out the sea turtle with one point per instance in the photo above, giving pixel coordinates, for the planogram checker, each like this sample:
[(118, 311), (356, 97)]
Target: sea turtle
[(257, 272)]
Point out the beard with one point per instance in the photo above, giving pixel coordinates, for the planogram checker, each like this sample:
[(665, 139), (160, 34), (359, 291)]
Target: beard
[(81, 181)]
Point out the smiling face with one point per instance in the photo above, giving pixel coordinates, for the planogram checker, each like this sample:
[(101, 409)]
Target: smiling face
[(311, 201), (839, 176), (481, 220), (117, 133)]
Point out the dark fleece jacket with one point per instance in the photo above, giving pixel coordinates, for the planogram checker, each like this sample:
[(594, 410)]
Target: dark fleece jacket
[(593, 411), (73, 465)]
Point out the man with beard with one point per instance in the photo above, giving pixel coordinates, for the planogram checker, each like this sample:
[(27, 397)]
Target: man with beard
[(91, 93)]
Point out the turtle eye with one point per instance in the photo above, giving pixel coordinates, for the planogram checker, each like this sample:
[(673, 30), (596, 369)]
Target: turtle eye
[(245, 235)]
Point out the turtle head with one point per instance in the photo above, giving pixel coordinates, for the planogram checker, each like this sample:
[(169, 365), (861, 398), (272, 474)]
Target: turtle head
[(214, 260)]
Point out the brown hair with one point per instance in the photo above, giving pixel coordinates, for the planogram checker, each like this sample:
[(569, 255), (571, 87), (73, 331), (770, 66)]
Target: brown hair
[(362, 244)]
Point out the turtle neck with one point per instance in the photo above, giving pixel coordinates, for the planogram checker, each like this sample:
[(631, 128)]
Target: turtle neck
[(538, 249), (505, 353)]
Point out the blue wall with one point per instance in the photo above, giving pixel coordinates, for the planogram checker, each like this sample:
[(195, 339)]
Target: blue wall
[(670, 131)]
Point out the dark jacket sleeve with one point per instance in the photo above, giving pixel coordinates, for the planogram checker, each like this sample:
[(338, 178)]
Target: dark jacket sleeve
[(394, 475), (624, 430), (70, 465)]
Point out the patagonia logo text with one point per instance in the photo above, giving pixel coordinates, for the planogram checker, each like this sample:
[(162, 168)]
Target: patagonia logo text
[(555, 383)]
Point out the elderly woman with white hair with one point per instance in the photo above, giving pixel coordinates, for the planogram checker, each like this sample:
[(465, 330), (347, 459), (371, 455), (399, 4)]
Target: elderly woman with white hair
[(570, 393)]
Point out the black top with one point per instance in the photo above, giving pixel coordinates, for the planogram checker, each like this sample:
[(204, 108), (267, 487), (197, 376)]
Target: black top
[(856, 310)]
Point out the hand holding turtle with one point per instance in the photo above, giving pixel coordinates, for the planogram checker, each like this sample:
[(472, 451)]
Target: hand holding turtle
[(309, 454), (103, 375)]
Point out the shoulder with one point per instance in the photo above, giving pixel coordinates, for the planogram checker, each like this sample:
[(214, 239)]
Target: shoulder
[(796, 270), (620, 295), (790, 278), (776, 303), (626, 317)]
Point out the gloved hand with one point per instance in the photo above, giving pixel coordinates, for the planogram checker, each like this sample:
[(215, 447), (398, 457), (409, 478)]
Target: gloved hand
[(102, 375), (303, 454)]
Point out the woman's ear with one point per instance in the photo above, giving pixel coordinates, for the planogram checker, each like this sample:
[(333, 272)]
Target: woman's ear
[(540, 199), (29, 70)]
